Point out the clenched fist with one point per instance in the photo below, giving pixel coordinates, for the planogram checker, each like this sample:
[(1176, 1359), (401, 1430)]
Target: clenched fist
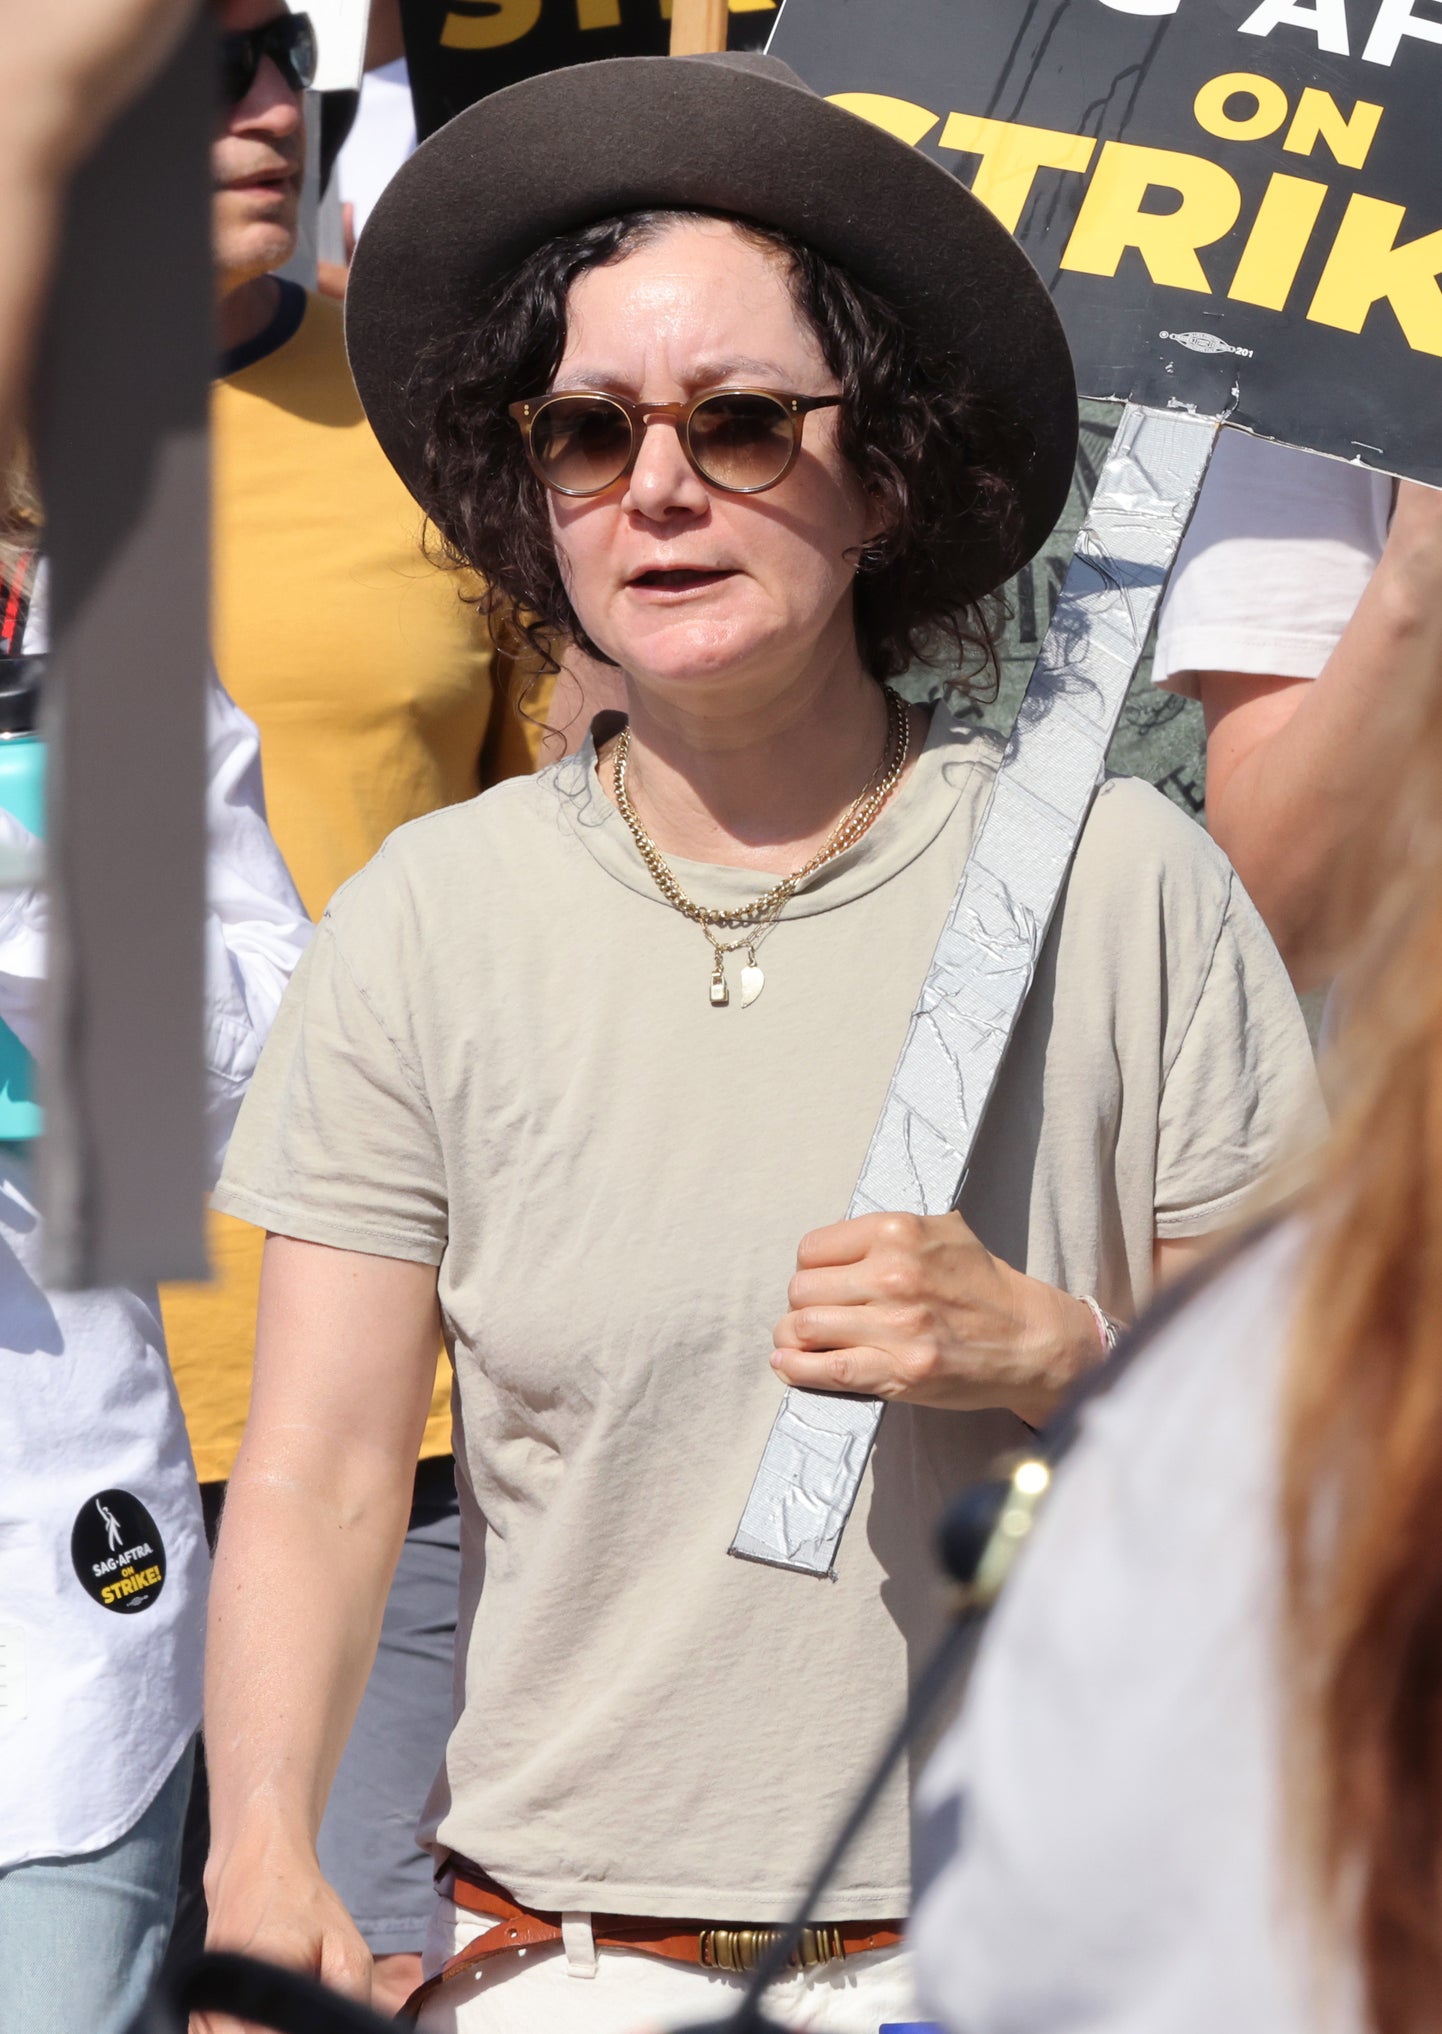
[(914, 1307)]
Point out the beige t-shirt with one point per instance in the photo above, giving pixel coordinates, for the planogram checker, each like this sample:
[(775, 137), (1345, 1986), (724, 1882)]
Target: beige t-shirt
[(499, 1056)]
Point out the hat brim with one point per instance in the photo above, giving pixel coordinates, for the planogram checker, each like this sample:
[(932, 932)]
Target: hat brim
[(738, 135)]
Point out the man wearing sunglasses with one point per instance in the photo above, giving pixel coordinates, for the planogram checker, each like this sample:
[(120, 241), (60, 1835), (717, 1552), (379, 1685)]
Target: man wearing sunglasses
[(378, 697), (267, 59)]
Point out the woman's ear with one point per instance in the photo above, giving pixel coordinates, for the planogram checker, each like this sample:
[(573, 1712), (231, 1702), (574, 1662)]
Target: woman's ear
[(880, 522), (881, 518)]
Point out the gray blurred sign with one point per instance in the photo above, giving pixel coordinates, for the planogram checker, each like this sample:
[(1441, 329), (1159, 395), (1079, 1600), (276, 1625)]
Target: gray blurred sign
[(122, 450)]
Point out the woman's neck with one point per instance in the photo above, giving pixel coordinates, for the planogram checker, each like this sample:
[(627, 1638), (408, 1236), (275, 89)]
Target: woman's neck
[(761, 785)]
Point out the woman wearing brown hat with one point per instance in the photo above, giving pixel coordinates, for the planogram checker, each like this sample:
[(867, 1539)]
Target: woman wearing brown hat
[(739, 393)]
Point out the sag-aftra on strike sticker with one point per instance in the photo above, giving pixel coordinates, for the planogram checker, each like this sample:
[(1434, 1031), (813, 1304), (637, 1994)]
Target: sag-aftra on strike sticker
[(117, 1551), (1236, 207)]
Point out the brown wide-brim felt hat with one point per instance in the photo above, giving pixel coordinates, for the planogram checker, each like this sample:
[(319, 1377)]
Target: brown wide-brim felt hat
[(733, 134)]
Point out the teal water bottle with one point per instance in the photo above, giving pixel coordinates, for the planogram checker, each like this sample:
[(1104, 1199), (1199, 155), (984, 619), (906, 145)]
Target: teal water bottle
[(22, 794)]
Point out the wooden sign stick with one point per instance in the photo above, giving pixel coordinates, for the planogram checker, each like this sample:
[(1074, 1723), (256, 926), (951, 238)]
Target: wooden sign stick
[(698, 27)]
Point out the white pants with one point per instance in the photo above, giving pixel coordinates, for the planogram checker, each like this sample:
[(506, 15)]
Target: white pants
[(619, 1991)]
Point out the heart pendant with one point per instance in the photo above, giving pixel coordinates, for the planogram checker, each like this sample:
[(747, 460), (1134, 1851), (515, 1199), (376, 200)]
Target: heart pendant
[(752, 983)]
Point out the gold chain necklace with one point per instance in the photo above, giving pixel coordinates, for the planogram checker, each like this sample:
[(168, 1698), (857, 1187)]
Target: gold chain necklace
[(762, 912)]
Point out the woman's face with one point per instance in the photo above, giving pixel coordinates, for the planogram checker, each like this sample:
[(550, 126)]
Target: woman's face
[(692, 591)]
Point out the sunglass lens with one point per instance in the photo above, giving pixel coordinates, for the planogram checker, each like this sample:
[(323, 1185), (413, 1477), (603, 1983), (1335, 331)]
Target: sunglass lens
[(301, 54), (742, 442), (289, 42), (239, 62), (581, 444)]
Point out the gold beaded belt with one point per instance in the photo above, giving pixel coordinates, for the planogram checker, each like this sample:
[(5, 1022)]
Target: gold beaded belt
[(733, 1949), (743, 1948)]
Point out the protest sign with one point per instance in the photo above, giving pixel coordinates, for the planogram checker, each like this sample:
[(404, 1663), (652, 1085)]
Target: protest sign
[(1234, 209), (1236, 206), (459, 50)]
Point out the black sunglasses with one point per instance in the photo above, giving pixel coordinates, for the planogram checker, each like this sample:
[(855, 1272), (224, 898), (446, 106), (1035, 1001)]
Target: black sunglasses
[(289, 42)]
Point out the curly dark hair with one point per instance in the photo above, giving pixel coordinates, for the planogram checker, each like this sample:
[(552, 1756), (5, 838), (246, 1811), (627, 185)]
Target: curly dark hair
[(921, 444)]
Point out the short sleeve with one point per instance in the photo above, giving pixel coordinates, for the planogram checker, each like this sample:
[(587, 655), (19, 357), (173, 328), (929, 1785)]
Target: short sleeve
[(1241, 1094), (1278, 553), (335, 1142)]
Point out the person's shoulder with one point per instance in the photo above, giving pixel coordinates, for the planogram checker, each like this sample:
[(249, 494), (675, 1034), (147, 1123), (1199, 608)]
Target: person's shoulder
[(1136, 834), (1136, 806), (318, 350), (324, 320), (1148, 884), (306, 374), (463, 849)]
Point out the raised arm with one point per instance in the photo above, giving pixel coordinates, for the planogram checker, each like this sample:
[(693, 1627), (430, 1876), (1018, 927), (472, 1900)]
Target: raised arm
[(70, 66), (1293, 764), (314, 1519)]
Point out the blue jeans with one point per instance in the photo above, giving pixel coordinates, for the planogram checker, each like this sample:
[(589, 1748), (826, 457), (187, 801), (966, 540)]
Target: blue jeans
[(81, 1938)]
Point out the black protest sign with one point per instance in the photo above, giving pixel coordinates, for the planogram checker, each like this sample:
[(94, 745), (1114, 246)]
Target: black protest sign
[(1236, 206), (459, 50)]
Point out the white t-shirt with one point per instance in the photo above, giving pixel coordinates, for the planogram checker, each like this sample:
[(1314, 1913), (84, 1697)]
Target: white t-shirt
[(103, 1562), (1102, 1825), (381, 137), (1275, 560)]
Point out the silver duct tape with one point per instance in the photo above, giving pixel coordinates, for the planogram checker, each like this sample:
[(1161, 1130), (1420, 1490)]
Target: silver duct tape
[(811, 1470), (816, 1453)]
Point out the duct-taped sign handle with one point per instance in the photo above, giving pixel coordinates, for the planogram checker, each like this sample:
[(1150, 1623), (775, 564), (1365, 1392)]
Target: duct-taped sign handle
[(816, 1453)]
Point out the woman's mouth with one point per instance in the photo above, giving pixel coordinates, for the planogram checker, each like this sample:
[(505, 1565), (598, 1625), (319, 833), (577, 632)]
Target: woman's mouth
[(679, 578)]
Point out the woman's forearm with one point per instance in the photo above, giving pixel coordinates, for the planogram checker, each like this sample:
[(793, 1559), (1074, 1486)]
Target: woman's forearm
[(300, 1582), (314, 1519)]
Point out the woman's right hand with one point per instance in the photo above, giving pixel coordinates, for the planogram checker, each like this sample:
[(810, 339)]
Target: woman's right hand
[(269, 1899)]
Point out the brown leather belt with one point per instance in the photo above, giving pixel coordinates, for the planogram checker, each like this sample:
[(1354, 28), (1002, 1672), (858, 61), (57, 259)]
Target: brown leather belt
[(698, 1942)]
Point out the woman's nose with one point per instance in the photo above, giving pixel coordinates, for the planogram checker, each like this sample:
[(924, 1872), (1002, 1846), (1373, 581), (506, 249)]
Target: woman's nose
[(663, 481)]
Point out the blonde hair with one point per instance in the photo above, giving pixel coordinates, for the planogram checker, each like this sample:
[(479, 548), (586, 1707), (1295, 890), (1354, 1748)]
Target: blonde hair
[(1362, 1465)]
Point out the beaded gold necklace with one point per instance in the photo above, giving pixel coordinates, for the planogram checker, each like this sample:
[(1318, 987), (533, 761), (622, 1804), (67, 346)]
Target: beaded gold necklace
[(761, 913)]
